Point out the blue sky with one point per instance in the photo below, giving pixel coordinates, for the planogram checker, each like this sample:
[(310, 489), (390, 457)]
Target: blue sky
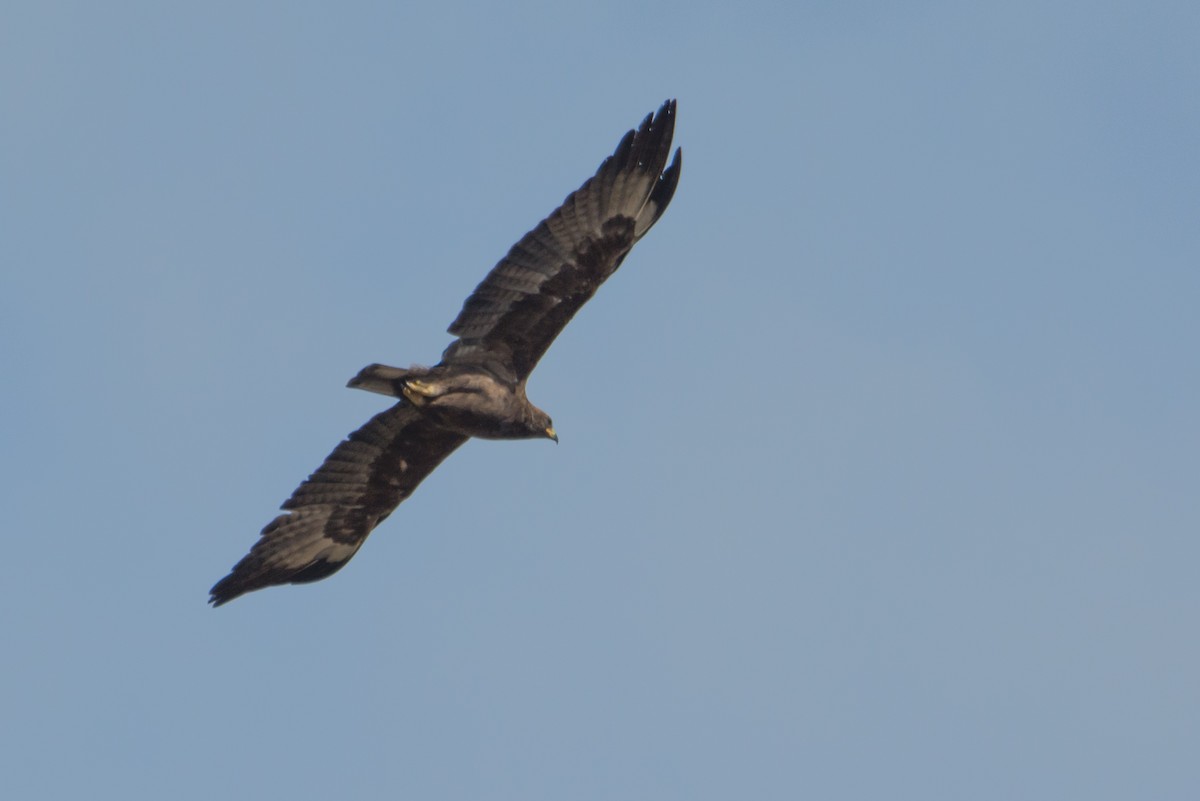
[(880, 455)]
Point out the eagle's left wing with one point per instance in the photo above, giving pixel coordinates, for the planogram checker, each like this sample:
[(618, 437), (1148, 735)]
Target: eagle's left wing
[(527, 299), (330, 515)]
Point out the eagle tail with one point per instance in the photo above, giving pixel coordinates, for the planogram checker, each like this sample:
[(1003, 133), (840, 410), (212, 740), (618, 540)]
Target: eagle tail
[(382, 379)]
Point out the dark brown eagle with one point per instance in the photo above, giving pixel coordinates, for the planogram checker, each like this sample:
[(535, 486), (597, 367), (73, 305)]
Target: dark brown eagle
[(478, 388)]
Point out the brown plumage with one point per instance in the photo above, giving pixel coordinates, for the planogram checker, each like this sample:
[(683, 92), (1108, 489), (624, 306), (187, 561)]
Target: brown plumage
[(478, 388)]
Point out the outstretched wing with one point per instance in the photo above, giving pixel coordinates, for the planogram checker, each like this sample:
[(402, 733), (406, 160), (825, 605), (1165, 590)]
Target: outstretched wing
[(330, 515), (527, 299)]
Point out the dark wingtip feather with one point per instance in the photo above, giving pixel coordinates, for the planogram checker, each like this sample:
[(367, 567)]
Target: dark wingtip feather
[(224, 591), (664, 190), (620, 156), (663, 128), (249, 576), (245, 577)]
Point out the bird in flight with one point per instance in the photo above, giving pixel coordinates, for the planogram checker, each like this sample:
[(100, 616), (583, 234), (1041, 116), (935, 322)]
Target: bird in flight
[(478, 388)]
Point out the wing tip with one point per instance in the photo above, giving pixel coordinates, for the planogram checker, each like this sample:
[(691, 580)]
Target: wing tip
[(225, 591), (240, 582), (246, 576), (664, 121), (668, 180)]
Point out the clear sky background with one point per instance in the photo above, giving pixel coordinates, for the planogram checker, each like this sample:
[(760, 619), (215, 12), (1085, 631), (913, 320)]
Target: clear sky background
[(880, 457)]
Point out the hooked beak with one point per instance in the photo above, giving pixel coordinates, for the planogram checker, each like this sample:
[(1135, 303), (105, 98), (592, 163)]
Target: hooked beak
[(551, 435)]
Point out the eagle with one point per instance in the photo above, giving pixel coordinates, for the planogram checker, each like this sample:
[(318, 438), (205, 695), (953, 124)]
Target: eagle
[(478, 387)]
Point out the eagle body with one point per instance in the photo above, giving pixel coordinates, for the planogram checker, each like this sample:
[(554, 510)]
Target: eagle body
[(474, 401), (478, 387)]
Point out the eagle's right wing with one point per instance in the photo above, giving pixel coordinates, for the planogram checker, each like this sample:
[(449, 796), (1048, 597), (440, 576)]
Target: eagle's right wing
[(330, 515)]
